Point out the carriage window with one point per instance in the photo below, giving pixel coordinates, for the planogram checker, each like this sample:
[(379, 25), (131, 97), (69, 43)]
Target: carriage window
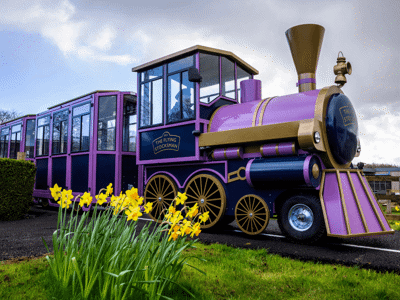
[(180, 97), (30, 138), (60, 132), (129, 132), (228, 78), (4, 142), (106, 124), (15, 140), (80, 128), (241, 75), (209, 70), (43, 136), (151, 100)]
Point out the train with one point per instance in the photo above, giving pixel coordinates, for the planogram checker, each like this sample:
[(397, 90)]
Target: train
[(199, 125)]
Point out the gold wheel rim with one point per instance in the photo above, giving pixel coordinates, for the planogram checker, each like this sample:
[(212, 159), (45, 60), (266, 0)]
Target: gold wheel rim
[(252, 214), (161, 191), (209, 194)]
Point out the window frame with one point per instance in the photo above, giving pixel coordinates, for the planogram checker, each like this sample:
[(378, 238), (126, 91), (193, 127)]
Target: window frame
[(34, 138), (37, 135), (150, 81), (127, 124), (80, 131), (16, 149), (52, 134), (115, 123), (5, 140)]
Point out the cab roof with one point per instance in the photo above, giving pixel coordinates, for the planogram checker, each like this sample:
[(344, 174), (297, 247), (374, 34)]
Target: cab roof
[(194, 49)]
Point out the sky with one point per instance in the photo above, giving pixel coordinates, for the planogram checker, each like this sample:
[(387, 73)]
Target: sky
[(52, 51)]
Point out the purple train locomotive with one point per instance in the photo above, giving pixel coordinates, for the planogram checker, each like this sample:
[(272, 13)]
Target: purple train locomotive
[(247, 160), (85, 143), (18, 135)]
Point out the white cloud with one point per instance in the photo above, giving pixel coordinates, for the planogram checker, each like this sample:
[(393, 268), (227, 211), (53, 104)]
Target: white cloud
[(379, 138), (58, 22)]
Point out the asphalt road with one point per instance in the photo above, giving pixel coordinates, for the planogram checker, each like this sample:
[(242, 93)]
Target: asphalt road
[(22, 238)]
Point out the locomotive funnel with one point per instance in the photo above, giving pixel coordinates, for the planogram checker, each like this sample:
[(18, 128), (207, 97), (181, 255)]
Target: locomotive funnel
[(305, 44)]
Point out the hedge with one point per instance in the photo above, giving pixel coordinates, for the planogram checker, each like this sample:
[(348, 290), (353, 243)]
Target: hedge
[(17, 178)]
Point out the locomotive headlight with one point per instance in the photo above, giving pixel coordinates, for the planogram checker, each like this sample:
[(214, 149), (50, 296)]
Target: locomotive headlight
[(358, 148), (317, 137)]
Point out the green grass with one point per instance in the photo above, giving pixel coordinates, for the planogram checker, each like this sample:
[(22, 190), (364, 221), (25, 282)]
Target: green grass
[(232, 273)]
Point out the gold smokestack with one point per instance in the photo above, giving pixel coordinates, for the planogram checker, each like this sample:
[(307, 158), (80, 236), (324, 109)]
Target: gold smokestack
[(305, 44)]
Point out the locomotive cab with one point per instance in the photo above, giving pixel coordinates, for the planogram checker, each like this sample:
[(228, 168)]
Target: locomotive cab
[(177, 96)]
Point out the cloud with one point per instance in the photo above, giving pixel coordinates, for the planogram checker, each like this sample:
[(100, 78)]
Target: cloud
[(58, 22)]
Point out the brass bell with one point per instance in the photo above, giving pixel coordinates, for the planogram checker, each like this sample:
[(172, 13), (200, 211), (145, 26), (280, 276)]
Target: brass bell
[(342, 68)]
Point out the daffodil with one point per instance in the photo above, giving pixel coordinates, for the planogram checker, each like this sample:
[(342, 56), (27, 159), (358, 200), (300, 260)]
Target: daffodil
[(185, 227), (204, 217), (85, 199), (397, 208), (133, 213), (65, 200), (55, 192), (180, 198), (193, 211), (148, 207), (132, 193), (174, 235), (109, 189), (101, 198), (196, 230)]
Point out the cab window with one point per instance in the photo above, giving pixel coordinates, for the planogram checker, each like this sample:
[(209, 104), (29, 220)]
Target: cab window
[(180, 91), (43, 136), (4, 142), (209, 71)]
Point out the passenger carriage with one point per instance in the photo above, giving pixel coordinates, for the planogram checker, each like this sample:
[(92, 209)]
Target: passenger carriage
[(18, 136), (86, 143)]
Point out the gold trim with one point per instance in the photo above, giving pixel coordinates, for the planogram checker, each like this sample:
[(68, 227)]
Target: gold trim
[(357, 202), (196, 48), (212, 155), (319, 114), (361, 234), (346, 216), (256, 112), (237, 173), (261, 150), (212, 117), (321, 198), (225, 153), (293, 148), (261, 133), (263, 110), (277, 149), (372, 203), (238, 152), (315, 171)]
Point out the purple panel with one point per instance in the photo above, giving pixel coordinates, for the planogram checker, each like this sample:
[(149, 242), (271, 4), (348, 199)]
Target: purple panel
[(385, 223), (250, 90), (306, 172), (291, 108), (248, 172), (268, 150), (286, 148), (355, 221), (333, 205), (288, 108), (372, 221)]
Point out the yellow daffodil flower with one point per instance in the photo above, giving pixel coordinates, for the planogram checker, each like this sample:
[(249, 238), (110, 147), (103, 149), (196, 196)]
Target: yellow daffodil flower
[(204, 217), (193, 211), (132, 193), (397, 208), (133, 213), (185, 227), (397, 223), (55, 192), (148, 207), (196, 230), (85, 199), (101, 198), (180, 198), (109, 189), (174, 235)]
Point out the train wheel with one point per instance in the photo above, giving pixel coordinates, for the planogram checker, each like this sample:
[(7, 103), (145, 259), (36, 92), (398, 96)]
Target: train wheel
[(209, 194), (45, 202), (301, 219), (252, 214), (161, 191)]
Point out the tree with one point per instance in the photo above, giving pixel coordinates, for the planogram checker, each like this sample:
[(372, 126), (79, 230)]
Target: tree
[(7, 115)]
